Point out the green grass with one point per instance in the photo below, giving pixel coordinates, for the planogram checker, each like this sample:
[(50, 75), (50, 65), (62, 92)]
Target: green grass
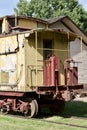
[(11, 123), (78, 109), (69, 120)]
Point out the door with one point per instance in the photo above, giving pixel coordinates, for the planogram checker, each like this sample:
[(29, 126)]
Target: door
[(47, 46)]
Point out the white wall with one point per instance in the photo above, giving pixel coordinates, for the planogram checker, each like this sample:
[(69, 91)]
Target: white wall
[(79, 54)]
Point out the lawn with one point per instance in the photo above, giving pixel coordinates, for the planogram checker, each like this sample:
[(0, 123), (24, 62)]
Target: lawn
[(78, 109)]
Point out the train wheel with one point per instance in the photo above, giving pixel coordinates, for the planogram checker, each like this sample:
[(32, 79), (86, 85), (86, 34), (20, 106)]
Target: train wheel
[(36, 107), (4, 109), (33, 109)]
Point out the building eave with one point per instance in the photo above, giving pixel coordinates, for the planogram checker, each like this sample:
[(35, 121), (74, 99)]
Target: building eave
[(71, 26)]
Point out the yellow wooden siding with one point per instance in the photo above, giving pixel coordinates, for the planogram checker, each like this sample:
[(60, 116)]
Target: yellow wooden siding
[(61, 43), (59, 25), (8, 43), (21, 63), (5, 25), (12, 66), (4, 77), (27, 23), (24, 61), (41, 25), (8, 61), (31, 62), (58, 43)]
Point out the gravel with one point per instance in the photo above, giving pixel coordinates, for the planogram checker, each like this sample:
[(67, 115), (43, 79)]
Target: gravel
[(83, 99)]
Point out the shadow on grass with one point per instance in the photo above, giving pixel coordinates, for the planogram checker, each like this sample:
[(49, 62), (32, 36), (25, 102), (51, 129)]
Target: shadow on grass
[(44, 113), (75, 108)]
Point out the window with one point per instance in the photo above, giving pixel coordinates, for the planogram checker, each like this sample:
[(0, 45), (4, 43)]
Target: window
[(12, 22), (47, 44)]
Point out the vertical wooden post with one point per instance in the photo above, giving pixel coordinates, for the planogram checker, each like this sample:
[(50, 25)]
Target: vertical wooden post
[(68, 46), (36, 54), (81, 62)]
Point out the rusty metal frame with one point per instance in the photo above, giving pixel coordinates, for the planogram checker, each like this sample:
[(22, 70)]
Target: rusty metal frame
[(11, 94), (60, 88)]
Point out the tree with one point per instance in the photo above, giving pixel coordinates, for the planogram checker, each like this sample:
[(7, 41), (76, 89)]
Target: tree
[(53, 8)]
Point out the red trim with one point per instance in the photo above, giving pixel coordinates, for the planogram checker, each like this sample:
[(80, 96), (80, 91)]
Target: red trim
[(59, 87), (12, 94)]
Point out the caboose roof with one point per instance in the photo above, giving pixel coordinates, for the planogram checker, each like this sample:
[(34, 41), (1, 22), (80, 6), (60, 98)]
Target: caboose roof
[(61, 31), (27, 33), (71, 25), (25, 17), (65, 20)]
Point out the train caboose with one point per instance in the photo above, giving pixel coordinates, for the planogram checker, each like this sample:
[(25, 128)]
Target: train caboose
[(35, 70)]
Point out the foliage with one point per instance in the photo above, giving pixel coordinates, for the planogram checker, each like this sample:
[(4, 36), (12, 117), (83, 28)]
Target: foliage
[(53, 8)]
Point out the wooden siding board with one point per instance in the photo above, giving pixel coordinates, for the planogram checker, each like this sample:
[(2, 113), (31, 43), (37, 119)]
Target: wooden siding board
[(31, 62), (58, 42), (81, 58), (59, 25), (27, 23), (11, 63)]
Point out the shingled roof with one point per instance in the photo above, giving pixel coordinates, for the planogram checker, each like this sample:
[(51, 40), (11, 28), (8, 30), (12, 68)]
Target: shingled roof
[(53, 20)]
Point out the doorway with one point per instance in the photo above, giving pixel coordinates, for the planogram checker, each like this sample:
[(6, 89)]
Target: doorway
[(47, 46)]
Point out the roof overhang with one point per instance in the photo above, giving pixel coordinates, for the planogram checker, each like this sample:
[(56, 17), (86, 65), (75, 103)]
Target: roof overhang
[(71, 26), (69, 35), (24, 17)]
